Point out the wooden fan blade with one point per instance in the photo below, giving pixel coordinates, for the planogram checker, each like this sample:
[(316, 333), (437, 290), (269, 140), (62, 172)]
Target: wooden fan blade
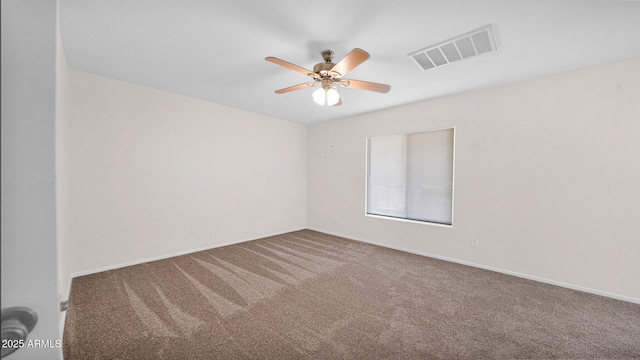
[(349, 62), (288, 65), (365, 85), (296, 87)]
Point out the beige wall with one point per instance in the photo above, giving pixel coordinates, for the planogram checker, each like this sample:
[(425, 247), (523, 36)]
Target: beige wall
[(141, 168), (547, 177)]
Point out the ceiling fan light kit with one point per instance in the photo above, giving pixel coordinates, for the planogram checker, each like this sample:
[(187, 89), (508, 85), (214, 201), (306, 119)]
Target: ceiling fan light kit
[(327, 74), (329, 97)]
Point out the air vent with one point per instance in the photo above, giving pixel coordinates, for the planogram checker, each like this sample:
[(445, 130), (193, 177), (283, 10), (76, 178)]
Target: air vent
[(473, 43)]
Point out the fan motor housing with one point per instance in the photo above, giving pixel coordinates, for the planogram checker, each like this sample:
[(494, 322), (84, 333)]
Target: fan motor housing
[(323, 66)]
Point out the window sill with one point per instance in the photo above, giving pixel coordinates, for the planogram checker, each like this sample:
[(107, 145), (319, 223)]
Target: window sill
[(407, 220)]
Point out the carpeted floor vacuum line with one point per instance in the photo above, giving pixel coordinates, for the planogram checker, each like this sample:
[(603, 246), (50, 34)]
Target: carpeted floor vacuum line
[(309, 295)]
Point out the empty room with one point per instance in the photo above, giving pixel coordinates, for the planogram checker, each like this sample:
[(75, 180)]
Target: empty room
[(236, 179)]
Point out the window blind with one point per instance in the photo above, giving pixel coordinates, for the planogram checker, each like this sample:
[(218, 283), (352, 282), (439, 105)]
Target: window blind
[(411, 176)]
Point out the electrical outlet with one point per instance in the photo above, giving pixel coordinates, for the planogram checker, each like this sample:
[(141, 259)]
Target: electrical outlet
[(193, 231), (474, 241)]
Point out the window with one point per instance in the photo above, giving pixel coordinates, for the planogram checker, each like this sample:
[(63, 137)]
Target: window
[(410, 176)]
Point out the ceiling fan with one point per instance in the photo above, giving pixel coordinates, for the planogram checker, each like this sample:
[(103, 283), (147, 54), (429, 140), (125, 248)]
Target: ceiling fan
[(328, 74)]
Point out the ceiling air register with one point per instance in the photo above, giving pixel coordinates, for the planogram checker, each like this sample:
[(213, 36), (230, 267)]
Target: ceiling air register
[(474, 43)]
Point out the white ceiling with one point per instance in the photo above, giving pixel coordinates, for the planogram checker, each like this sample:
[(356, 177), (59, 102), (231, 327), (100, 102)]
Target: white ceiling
[(214, 50)]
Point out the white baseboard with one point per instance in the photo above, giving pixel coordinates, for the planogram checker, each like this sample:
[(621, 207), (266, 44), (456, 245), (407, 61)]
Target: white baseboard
[(162, 257), (508, 272)]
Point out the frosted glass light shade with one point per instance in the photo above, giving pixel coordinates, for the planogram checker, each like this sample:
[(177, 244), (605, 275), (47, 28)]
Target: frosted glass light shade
[(330, 97), (333, 96), (319, 96)]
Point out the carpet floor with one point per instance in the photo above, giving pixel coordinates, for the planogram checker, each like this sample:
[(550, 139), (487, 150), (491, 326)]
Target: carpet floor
[(309, 295)]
